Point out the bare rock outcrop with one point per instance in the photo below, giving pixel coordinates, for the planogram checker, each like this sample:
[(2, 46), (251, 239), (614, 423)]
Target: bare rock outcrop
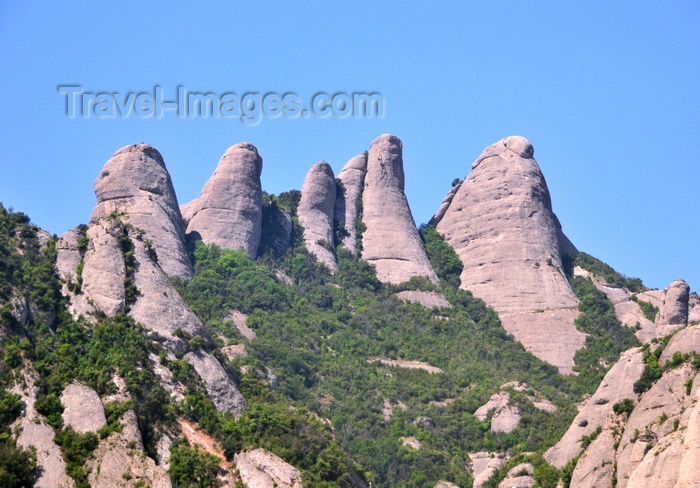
[(435, 220), (158, 306), (262, 469), (221, 388), (683, 341), (348, 204), (135, 182), (35, 433), (429, 299), (616, 386), (83, 410), (673, 313), (104, 270), (276, 234), (228, 211), (315, 212), (119, 460), (484, 465), (505, 418), (519, 476), (501, 224), (391, 241), (596, 465)]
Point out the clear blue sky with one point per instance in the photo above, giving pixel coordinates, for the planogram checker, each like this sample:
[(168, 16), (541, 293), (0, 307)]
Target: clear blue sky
[(608, 93)]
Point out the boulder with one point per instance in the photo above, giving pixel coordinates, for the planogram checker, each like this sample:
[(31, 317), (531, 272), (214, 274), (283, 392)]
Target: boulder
[(484, 465), (348, 204), (429, 299), (221, 388), (276, 234), (158, 305), (391, 241), (228, 211), (437, 217), (673, 313), (135, 183), (262, 469), (501, 224), (83, 410), (315, 213)]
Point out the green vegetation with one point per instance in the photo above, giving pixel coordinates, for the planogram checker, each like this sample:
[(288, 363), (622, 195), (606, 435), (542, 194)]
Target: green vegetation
[(606, 339), (624, 406), (652, 371), (599, 268), (648, 309), (443, 257), (191, 467)]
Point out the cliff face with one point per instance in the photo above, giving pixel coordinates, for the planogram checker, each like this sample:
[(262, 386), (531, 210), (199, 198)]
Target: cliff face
[(135, 182), (500, 222), (228, 211), (316, 212), (391, 241)]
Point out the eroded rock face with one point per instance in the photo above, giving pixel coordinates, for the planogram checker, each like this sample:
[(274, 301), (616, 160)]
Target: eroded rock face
[(684, 341), (616, 386), (484, 465), (391, 241), (349, 203), (136, 183), (228, 211), (119, 460), (673, 313), (83, 408), (158, 306), (262, 469), (501, 224), (35, 433), (428, 299), (315, 212), (221, 389)]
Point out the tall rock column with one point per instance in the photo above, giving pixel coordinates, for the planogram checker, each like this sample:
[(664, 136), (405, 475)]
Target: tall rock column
[(315, 212), (673, 313), (500, 223), (391, 241), (348, 204), (135, 182), (228, 211)]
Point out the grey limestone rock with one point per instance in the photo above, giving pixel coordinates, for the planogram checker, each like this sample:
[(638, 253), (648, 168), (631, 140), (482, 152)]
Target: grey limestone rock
[(348, 204), (501, 224), (136, 183), (315, 212), (228, 211), (262, 469), (83, 408), (221, 389), (391, 241)]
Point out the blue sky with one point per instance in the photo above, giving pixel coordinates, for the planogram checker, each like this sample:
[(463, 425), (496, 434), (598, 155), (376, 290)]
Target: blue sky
[(607, 93)]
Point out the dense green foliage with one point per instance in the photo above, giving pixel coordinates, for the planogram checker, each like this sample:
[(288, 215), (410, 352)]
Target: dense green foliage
[(443, 257), (191, 467), (319, 336), (648, 308), (605, 271), (606, 339)]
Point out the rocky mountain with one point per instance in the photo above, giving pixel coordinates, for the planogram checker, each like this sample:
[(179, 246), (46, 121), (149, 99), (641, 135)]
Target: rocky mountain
[(228, 212), (319, 338), (500, 222)]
